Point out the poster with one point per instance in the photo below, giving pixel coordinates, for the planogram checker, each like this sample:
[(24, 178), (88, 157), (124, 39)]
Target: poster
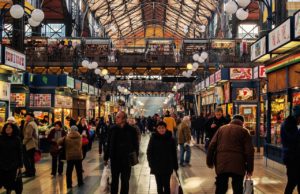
[(296, 99), (85, 88), (4, 91), (17, 78), (15, 59), (244, 94), (297, 25), (212, 79), (19, 99), (70, 82), (77, 85), (218, 76), (258, 49), (40, 100), (280, 35), (240, 73), (63, 101)]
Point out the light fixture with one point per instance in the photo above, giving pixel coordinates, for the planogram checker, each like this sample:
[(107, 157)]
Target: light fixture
[(201, 60), (241, 14), (104, 72), (204, 55), (195, 57), (16, 11), (33, 23), (37, 15), (35, 19), (94, 65), (195, 65), (85, 63), (189, 66), (231, 7), (243, 3), (97, 71)]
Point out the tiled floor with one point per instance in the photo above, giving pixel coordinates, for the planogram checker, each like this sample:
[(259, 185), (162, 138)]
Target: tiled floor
[(266, 181)]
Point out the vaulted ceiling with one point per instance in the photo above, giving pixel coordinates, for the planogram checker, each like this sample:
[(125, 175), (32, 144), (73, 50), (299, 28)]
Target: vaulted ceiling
[(125, 18)]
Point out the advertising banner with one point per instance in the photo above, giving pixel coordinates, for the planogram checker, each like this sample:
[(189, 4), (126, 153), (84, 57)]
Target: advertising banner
[(280, 35), (258, 49), (14, 59), (240, 73)]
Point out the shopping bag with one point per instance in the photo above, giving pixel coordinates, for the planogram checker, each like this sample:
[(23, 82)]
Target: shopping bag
[(105, 180), (248, 186), (37, 156)]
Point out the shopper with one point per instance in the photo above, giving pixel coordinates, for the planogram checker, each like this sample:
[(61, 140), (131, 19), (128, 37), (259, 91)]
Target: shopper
[(213, 124), (290, 138), (55, 150), (184, 140), (133, 122), (102, 133), (162, 157), (11, 160), (122, 144), (84, 132), (73, 146), (200, 122), (30, 144), (12, 120), (232, 153), (170, 121)]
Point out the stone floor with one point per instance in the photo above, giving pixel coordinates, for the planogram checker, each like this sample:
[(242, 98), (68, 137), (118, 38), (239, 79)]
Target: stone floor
[(266, 180)]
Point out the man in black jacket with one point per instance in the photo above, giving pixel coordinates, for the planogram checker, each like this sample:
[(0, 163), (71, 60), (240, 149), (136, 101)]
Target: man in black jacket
[(122, 142)]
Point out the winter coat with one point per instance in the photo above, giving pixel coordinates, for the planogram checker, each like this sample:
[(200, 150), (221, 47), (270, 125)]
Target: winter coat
[(30, 133), (290, 138), (184, 133), (11, 153), (73, 146), (162, 154), (121, 142), (83, 128), (211, 131), (54, 148), (231, 150), (171, 124)]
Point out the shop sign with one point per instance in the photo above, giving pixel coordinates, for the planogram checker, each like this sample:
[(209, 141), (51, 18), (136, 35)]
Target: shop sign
[(297, 25), (262, 71), (280, 35), (219, 95), (40, 100), (244, 94), (19, 99), (63, 101), (218, 76), (212, 79), (85, 88), (227, 92), (258, 49), (70, 82), (240, 73), (91, 90), (255, 72), (15, 59), (4, 91), (78, 85), (207, 82), (17, 78)]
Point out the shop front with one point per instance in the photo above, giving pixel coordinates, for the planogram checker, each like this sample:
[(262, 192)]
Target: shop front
[(4, 102), (80, 100)]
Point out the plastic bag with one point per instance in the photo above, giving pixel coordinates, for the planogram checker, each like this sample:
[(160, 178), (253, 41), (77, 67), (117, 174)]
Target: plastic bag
[(105, 180), (248, 186)]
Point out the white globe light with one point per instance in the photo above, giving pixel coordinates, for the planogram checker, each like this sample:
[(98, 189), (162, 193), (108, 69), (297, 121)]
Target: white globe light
[(189, 66), (243, 3), (231, 7), (201, 60), (104, 72), (97, 71), (16, 11), (119, 87), (195, 56), (38, 15), (113, 78), (109, 81), (125, 90), (94, 65), (194, 69), (85, 63), (90, 66), (204, 55), (202, 29), (189, 72), (106, 77), (33, 23), (195, 65), (241, 14), (184, 73)]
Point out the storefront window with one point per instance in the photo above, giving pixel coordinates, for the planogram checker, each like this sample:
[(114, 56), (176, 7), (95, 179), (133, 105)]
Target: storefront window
[(3, 108), (296, 99), (249, 113)]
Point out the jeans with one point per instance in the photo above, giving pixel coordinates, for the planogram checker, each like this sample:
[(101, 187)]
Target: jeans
[(29, 163), (222, 183), (56, 160), (293, 176), (163, 183), (116, 171), (70, 167), (185, 149)]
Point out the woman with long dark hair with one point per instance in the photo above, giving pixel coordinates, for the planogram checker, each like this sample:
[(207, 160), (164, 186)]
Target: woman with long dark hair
[(11, 161), (84, 132)]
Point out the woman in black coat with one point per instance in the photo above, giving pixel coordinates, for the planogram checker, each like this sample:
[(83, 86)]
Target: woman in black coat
[(84, 132), (162, 157), (11, 157)]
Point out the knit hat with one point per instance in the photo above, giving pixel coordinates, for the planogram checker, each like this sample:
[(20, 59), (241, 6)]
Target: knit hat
[(296, 111), (12, 119), (74, 128)]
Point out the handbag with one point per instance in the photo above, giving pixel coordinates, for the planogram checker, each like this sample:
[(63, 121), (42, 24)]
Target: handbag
[(37, 156), (248, 186), (85, 141), (133, 159), (105, 181), (179, 189)]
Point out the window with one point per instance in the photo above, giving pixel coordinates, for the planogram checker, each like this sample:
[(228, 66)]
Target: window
[(249, 31), (53, 30)]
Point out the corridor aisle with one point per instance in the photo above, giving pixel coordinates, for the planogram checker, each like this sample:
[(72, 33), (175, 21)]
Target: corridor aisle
[(141, 182)]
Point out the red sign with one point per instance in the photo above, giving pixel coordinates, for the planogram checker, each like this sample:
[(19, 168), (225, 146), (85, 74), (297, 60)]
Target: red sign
[(262, 71), (212, 79), (240, 73), (218, 76)]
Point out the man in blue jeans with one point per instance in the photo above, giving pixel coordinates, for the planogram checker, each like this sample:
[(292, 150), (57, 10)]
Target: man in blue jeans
[(184, 138), (232, 153)]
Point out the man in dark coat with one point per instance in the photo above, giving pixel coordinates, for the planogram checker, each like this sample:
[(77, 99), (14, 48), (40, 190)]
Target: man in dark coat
[(122, 143), (290, 138), (232, 153), (213, 124)]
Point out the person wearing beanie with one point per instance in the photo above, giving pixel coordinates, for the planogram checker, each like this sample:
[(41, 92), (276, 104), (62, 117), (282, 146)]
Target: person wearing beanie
[(290, 138), (13, 121), (73, 146)]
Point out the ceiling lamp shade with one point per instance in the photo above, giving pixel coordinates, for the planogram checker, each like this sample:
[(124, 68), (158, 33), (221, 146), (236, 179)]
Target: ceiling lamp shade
[(106, 77), (241, 14), (204, 55), (97, 71), (16, 11), (231, 7), (201, 60), (184, 73), (195, 65), (37, 15), (33, 23), (94, 65), (85, 63), (243, 3), (189, 66), (190, 72), (104, 72), (195, 57)]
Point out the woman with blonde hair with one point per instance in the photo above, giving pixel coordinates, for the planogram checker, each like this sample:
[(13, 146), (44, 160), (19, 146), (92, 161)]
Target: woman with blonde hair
[(184, 139)]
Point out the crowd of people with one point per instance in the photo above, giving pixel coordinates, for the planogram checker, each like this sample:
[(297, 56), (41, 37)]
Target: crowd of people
[(228, 144)]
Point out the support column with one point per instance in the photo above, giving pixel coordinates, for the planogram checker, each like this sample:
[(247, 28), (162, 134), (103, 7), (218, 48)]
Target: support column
[(17, 41)]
